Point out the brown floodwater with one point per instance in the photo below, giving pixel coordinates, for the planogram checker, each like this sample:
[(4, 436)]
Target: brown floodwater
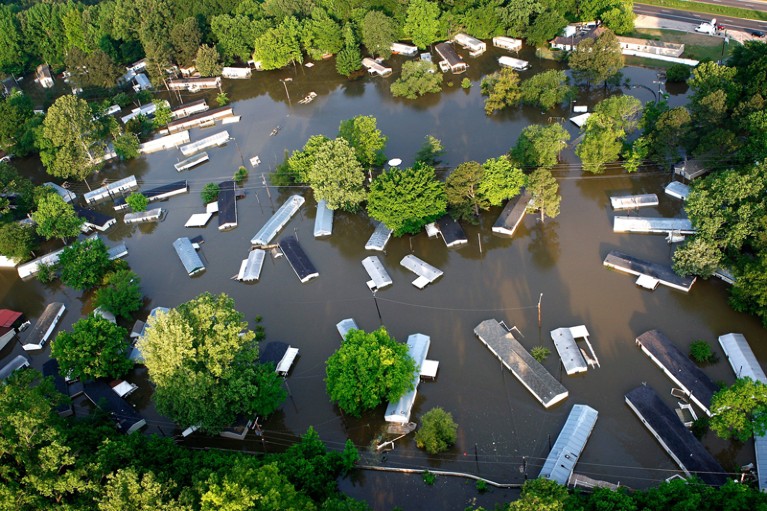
[(504, 433)]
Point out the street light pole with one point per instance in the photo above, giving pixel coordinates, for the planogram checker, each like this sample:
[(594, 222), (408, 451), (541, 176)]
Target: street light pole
[(285, 84), (380, 319)]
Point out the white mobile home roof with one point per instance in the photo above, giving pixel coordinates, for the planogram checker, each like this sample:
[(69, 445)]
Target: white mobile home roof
[(217, 139), (379, 277), (417, 348), (379, 238), (111, 189), (198, 220), (323, 222), (250, 268), (652, 225), (564, 342), (278, 220), (678, 190), (152, 215), (634, 201), (15, 364), (345, 325), (570, 443), (188, 255), (426, 272)]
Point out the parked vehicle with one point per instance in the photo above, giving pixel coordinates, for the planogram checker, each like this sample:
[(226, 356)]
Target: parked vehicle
[(757, 33), (707, 28)]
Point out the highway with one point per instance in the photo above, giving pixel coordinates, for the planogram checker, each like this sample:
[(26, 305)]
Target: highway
[(756, 5), (695, 17)]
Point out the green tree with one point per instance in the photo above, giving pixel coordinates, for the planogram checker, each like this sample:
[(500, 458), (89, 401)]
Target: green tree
[(83, 264), (601, 144), (368, 369), (186, 37), (163, 113), (68, 146), (547, 89), (94, 69), (430, 151), (121, 294), (517, 15), (539, 145), (336, 176), (208, 61), (365, 138), (422, 23), (697, 256), (596, 60), (210, 193), (438, 431), (235, 35), (501, 180), (126, 146), (462, 189), (544, 191), (129, 489), (300, 162), (418, 78), (137, 202), (678, 73), (349, 59), (740, 411), (545, 27), (95, 348), (202, 360), (13, 57), (17, 193), (321, 35), (541, 495), (378, 32), (18, 123), (279, 46), (502, 90), (406, 200), (620, 18), (55, 218), (17, 241)]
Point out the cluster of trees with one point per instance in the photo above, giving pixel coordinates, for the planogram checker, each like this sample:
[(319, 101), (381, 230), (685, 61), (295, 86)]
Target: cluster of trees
[(94, 39), (546, 495), (545, 90), (48, 462), (406, 199)]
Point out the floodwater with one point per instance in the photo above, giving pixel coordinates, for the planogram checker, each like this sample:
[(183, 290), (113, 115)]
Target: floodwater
[(504, 433)]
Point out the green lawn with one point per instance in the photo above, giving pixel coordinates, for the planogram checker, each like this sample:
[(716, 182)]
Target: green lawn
[(696, 46)]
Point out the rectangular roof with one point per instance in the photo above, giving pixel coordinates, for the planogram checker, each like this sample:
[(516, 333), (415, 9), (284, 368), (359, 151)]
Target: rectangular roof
[(151, 215), (286, 362), (634, 266), (278, 220), (227, 205), (188, 108), (568, 350), (15, 364), (512, 214), (674, 437), (216, 139), (452, 232), (298, 259), (123, 414), (250, 268), (188, 255), (272, 352), (200, 118), (167, 190), (678, 367), (118, 187), (190, 162), (323, 222), (634, 201), (570, 443), (418, 349), (421, 268), (378, 274), (8, 317), (379, 238), (652, 225), (546, 389), (94, 218), (678, 190), (44, 326), (448, 53), (345, 325), (198, 220)]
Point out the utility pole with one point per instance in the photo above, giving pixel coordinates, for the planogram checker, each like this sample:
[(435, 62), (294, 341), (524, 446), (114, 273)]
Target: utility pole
[(285, 84), (263, 181), (539, 310), (375, 300)]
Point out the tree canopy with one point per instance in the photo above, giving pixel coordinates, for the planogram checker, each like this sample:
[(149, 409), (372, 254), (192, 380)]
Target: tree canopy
[(422, 22), (336, 176), (502, 90), (121, 294), (438, 431), (544, 192), (407, 199), (596, 60), (55, 218), (418, 77), (539, 145), (83, 264), (203, 361), (378, 32), (95, 348), (368, 369), (740, 411), (547, 89), (365, 138)]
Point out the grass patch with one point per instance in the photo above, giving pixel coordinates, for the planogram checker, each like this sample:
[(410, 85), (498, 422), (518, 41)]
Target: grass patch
[(684, 5), (696, 46)]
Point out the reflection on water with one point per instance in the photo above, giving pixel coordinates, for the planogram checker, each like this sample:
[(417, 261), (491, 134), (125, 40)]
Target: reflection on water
[(560, 259)]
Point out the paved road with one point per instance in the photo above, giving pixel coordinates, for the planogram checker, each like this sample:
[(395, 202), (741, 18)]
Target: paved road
[(757, 5), (694, 17)]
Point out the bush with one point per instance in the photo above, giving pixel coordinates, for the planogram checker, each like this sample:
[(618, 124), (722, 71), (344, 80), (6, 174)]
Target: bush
[(46, 273), (83, 264), (701, 352), (678, 73), (466, 83), (700, 426), (209, 193), (137, 202), (418, 78), (222, 98), (241, 175), (429, 478), (438, 431), (540, 353), (481, 486)]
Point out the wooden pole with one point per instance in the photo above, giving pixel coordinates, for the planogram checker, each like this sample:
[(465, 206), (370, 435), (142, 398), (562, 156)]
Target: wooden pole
[(539, 310), (263, 181), (479, 239)]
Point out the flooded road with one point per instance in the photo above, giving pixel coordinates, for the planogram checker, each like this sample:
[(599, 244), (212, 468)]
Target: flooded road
[(504, 433)]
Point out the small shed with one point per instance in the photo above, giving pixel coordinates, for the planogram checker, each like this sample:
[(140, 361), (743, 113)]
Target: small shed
[(345, 325), (677, 190), (280, 354)]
